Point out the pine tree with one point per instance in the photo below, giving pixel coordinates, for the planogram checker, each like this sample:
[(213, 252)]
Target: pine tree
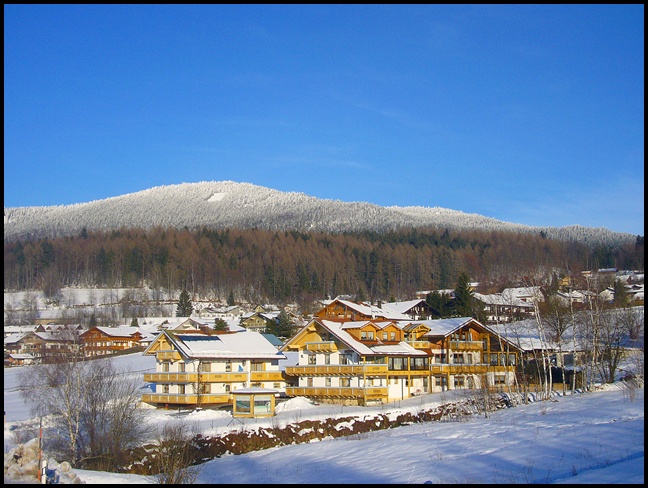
[(220, 324), (463, 297), (184, 307), (134, 322), (230, 299)]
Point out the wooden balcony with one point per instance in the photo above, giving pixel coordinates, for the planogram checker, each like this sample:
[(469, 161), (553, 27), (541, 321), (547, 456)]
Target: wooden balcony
[(326, 346), (420, 344), (468, 369), (168, 355), (174, 399), (275, 376), (337, 370), (371, 393), (466, 345), (193, 377)]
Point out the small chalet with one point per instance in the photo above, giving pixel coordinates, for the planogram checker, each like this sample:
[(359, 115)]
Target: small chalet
[(102, 341), (199, 369)]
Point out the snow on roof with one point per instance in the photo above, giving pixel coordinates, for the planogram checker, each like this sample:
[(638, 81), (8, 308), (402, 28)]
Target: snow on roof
[(247, 344), (254, 390), (499, 299), (373, 311), (402, 307), (443, 326), (121, 331), (337, 328)]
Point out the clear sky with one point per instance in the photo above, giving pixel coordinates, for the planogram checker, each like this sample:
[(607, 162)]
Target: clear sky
[(530, 114)]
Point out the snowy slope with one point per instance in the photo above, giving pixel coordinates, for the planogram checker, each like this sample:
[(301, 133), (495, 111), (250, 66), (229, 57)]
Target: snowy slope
[(223, 204)]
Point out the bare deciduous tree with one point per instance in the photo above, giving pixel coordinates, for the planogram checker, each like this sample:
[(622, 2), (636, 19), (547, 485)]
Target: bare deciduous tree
[(92, 407), (176, 456)]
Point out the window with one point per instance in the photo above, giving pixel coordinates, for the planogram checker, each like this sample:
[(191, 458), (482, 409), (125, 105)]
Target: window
[(181, 389), (228, 388), (328, 382), (165, 388), (309, 382), (370, 335), (419, 363), (228, 366), (312, 359), (345, 382), (165, 367), (459, 381), (257, 366), (204, 367), (493, 359), (392, 336), (500, 379), (327, 359), (181, 367), (457, 359), (384, 335), (363, 336), (397, 364), (511, 359)]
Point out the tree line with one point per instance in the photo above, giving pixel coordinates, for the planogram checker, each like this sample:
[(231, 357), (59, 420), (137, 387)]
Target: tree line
[(283, 266)]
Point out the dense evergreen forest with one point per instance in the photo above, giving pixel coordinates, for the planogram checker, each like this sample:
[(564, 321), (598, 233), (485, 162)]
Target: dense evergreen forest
[(289, 266)]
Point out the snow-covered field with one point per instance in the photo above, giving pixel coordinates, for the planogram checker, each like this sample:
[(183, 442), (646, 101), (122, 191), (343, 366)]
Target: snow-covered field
[(584, 438)]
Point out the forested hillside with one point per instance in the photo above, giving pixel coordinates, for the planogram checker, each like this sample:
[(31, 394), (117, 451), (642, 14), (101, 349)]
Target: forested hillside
[(286, 266), (228, 205)]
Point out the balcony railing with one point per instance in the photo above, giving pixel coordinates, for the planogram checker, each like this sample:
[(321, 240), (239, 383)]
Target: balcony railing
[(466, 345), (334, 370), (168, 355), (164, 398), (371, 393), (467, 368), (213, 377), (325, 346)]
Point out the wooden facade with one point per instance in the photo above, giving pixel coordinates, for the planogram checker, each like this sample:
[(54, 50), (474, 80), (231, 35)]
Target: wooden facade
[(103, 341), (199, 369), (371, 361)]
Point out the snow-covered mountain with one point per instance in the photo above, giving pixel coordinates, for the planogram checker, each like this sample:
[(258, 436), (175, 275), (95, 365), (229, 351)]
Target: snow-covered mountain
[(228, 204)]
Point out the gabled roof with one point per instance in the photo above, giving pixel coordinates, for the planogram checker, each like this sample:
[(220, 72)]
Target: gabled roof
[(338, 330), (402, 307), (122, 331), (499, 299), (195, 344), (372, 311), (445, 327)]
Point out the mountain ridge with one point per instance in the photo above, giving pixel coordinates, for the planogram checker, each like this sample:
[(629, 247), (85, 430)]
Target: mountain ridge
[(229, 204)]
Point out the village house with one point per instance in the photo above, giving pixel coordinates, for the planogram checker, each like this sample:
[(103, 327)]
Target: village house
[(259, 321), (417, 309), (44, 347), (353, 359), (198, 368), (348, 311), (102, 341), (500, 308)]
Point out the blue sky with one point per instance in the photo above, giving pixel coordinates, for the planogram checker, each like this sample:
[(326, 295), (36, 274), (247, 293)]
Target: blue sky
[(526, 113)]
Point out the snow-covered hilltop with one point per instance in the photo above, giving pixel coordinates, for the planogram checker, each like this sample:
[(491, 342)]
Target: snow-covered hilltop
[(228, 204)]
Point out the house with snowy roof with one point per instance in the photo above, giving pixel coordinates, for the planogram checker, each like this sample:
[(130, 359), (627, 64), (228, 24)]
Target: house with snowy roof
[(417, 309), (201, 368), (102, 341), (348, 311), (378, 361)]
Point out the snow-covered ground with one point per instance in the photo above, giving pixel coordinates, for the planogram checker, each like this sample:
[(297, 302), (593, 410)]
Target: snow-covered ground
[(594, 437)]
